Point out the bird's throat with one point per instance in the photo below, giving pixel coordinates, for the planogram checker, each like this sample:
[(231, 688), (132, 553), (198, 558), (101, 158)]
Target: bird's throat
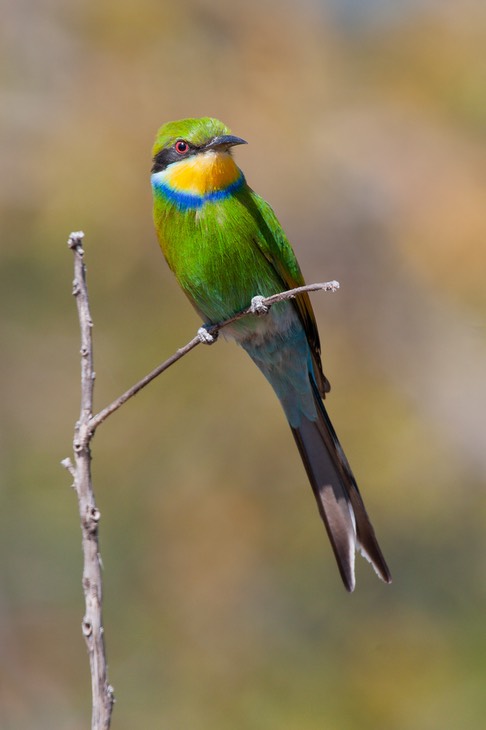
[(202, 174)]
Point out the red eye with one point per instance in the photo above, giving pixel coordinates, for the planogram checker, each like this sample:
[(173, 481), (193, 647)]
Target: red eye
[(181, 147)]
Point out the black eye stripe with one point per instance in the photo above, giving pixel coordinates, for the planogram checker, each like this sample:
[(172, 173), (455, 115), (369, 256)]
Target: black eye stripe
[(169, 154)]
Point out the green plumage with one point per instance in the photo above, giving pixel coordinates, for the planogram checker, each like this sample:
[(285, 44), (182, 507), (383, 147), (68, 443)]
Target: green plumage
[(211, 258)]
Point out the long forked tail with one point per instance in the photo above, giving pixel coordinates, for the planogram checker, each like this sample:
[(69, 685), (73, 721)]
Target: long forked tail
[(337, 495)]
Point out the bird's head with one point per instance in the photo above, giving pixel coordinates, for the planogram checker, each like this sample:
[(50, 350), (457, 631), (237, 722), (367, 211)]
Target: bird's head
[(177, 141), (193, 157)]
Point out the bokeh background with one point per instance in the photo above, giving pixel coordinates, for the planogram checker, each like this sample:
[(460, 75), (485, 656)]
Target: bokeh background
[(366, 125)]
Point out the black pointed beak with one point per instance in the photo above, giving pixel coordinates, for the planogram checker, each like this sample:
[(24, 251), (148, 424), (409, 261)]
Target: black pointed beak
[(224, 140)]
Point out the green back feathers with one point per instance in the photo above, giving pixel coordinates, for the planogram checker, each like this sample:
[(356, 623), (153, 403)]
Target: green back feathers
[(195, 131), (276, 248)]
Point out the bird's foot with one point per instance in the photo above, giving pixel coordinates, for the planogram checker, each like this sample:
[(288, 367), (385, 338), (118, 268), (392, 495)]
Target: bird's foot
[(205, 336), (258, 306)]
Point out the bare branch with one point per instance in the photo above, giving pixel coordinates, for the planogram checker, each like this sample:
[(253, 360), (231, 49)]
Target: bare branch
[(92, 626), (207, 335), (115, 405)]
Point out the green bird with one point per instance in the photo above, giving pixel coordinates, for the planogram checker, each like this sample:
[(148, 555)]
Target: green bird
[(225, 245)]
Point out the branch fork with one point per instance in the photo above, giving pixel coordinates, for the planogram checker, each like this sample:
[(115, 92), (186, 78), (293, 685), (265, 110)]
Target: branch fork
[(80, 467)]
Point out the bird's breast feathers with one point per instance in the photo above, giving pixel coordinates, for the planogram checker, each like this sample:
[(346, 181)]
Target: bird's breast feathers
[(200, 178)]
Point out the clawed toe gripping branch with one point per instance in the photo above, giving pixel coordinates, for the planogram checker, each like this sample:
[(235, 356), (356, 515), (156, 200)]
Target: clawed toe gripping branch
[(80, 466)]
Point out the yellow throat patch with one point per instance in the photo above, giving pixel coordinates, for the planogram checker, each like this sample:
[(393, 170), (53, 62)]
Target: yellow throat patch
[(204, 173)]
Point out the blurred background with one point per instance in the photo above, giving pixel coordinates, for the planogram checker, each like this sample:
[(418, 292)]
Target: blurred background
[(223, 608)]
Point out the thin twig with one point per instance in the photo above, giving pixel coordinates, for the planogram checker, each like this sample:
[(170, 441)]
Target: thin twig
[(208, 335), (115, 405), (92, 626)]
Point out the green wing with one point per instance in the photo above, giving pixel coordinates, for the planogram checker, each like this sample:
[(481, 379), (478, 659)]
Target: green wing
[(276, 248)]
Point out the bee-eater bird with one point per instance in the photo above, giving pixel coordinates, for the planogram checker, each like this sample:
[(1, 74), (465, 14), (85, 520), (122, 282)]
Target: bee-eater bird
[(225, 245)]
